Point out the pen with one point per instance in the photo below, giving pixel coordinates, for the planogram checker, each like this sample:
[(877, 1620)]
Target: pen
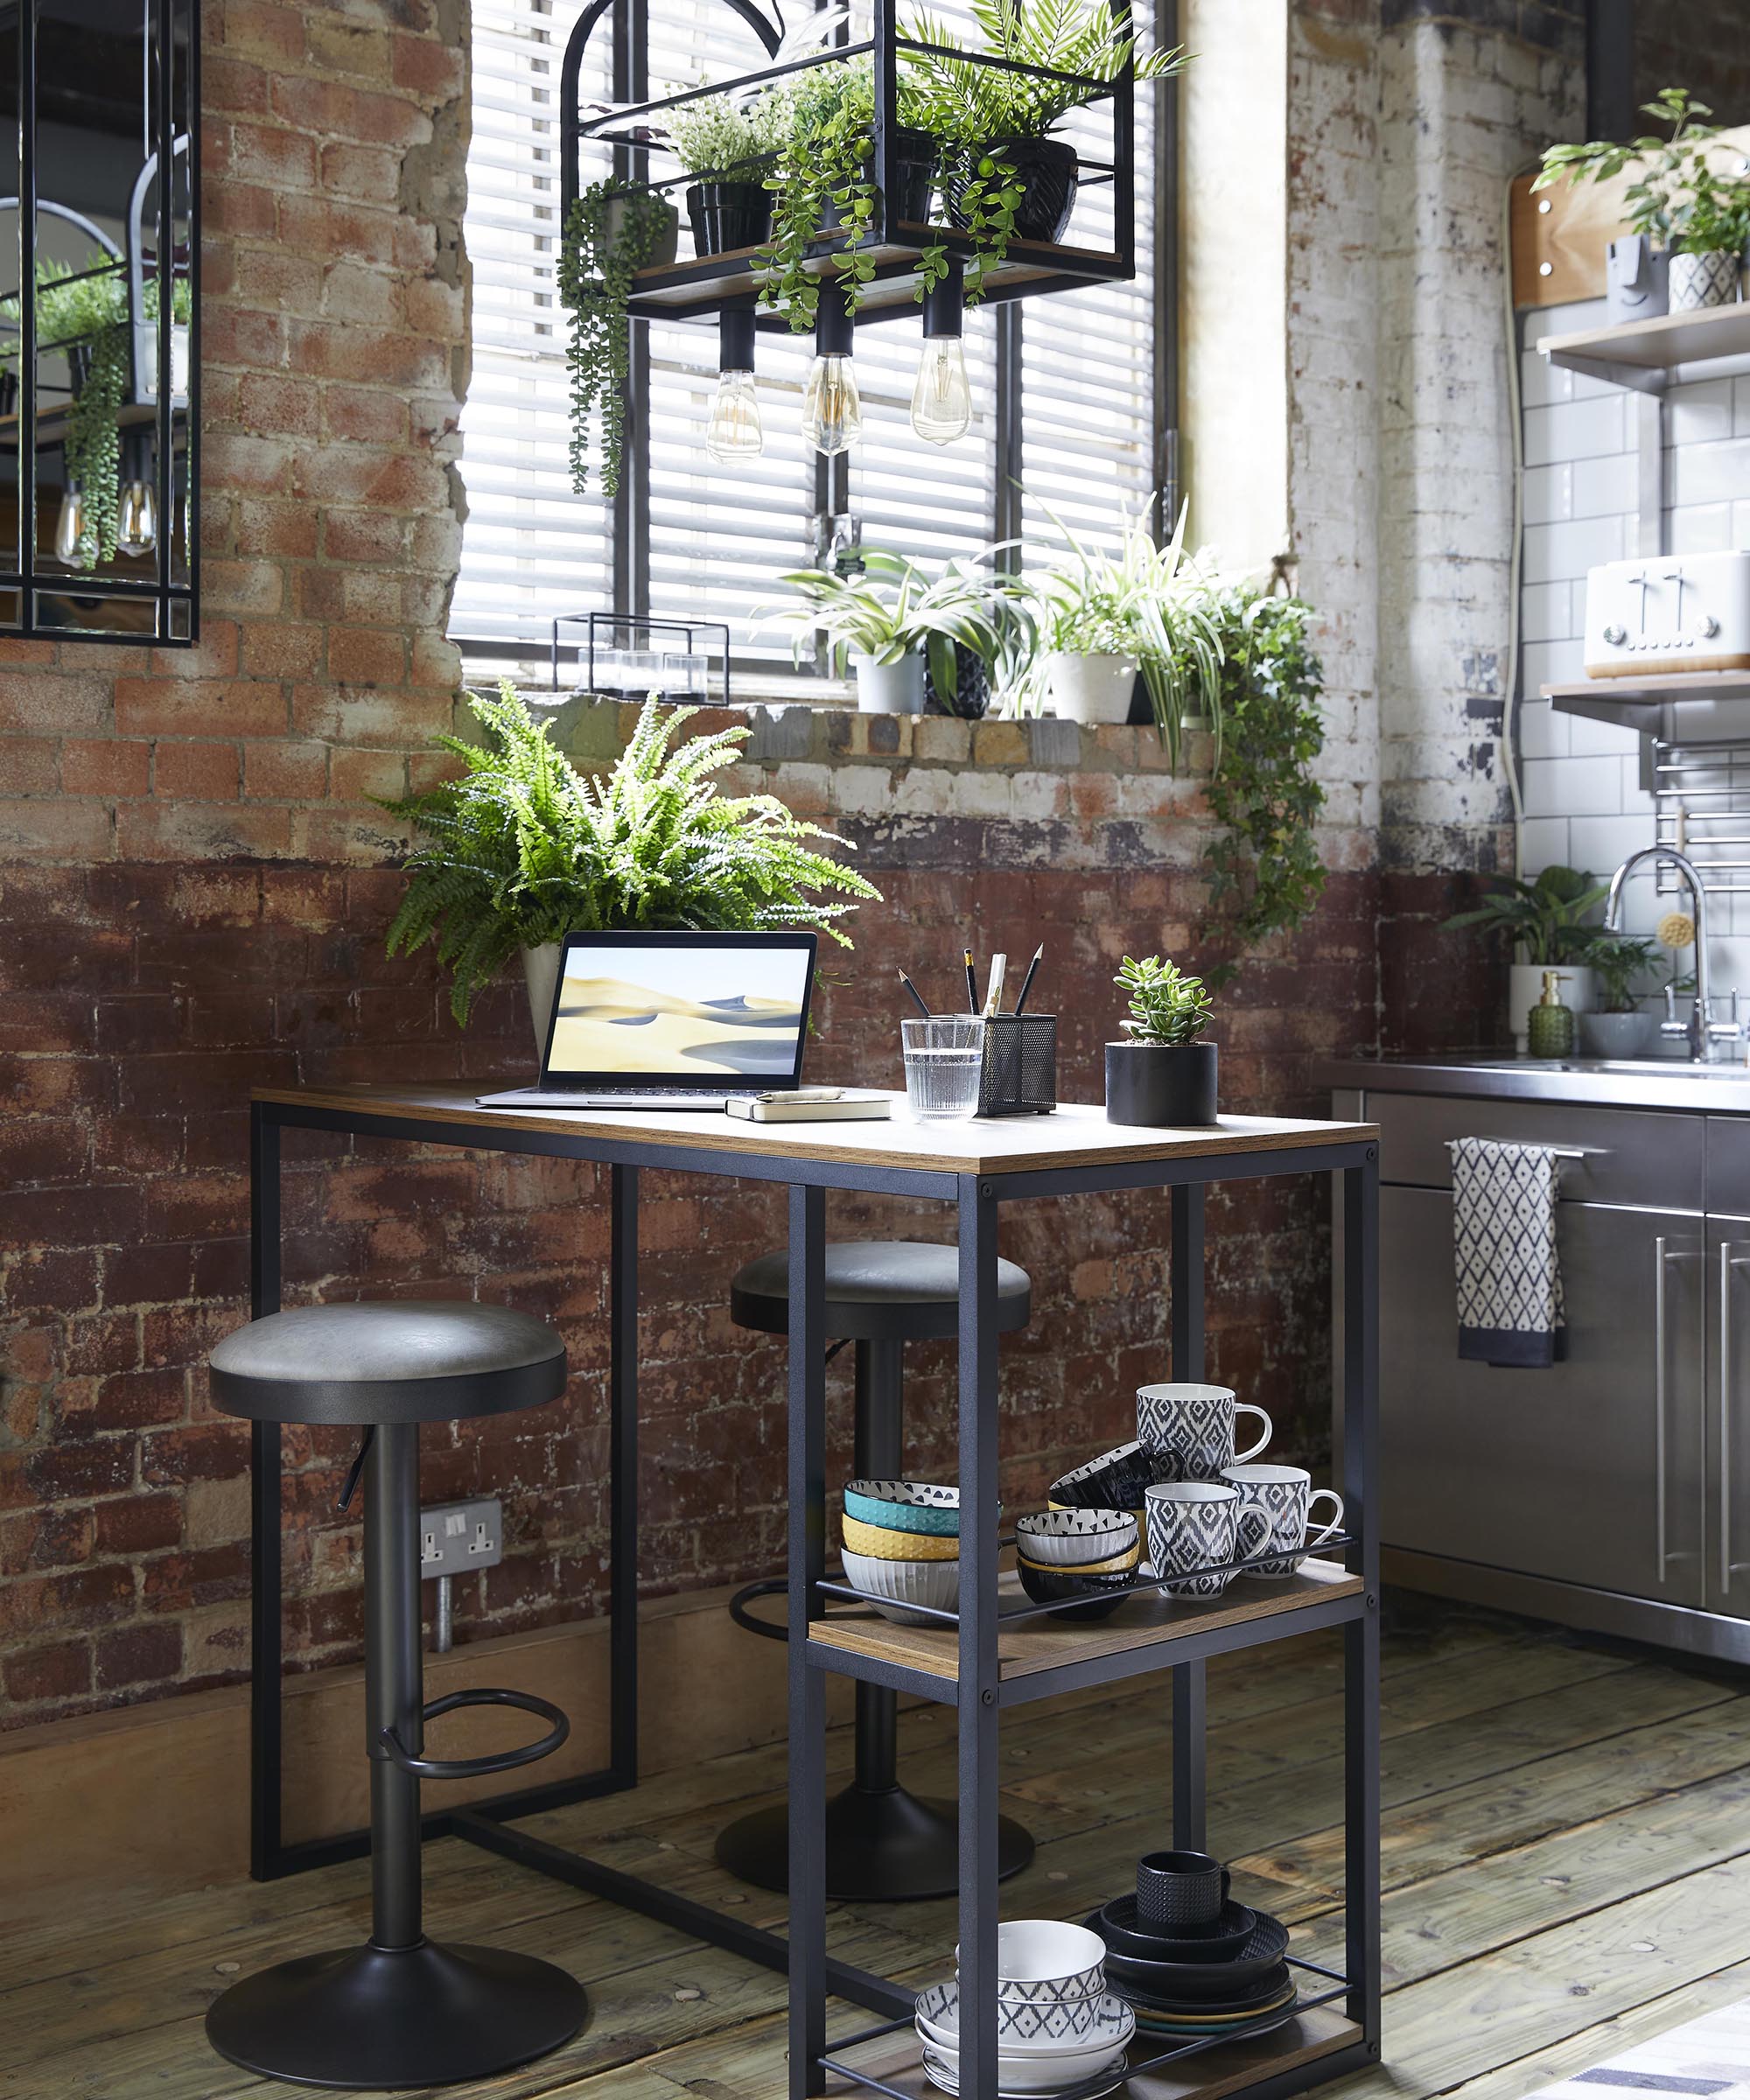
[(993, 998), (1027, 980), (915, 993), (972, 985)]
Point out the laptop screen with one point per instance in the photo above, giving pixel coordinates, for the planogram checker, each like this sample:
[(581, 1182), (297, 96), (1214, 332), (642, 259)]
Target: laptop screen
[(673, 1009)]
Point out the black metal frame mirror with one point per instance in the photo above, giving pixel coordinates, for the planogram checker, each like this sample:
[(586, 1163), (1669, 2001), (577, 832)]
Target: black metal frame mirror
[(100, 213)]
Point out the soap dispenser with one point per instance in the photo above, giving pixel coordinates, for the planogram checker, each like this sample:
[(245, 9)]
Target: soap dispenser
[(1549, 1028)]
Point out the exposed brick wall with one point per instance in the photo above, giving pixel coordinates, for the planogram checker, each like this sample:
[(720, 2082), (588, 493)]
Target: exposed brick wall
[(1703, 45)]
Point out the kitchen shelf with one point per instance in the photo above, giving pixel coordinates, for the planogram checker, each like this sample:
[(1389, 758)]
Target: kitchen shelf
[(1043, 1655), (1644, 355), (1209, 2074), (1676, 707)]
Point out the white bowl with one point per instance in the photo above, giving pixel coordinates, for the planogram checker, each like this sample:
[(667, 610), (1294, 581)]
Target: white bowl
[(1019, 2080), (890, 1584), (1103, 2024), (1042, 1958), (1067, 1538)]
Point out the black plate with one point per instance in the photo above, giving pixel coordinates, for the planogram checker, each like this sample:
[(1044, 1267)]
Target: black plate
[(1255, 1998), (1202, 1981), (1233, 1929)]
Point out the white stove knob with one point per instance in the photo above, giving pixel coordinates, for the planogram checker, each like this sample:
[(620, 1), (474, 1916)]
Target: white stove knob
[(1615, 634), (1707, 626)]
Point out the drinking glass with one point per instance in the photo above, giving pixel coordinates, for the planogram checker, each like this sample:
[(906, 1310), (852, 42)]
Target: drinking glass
[(943, 1060)]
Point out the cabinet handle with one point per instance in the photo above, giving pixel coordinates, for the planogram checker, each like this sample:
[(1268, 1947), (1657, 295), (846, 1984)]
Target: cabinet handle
[(1659, 1246), (1728, 1262)]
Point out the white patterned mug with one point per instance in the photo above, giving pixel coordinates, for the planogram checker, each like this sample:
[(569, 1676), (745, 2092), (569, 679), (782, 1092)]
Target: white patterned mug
[(1287, 1494), (1196, 1528), (1187, 1431)]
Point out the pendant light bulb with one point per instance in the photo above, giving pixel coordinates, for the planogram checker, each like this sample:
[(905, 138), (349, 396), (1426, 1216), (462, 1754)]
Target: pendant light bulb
[(70, 525), (832, 407), (734, 432), (137, 518), (942, 401)]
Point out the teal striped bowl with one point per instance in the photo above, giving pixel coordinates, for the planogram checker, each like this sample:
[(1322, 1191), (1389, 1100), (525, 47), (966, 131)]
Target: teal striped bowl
[(915, 1506)]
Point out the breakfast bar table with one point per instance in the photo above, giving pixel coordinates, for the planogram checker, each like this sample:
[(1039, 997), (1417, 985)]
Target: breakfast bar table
[(997, 1650)]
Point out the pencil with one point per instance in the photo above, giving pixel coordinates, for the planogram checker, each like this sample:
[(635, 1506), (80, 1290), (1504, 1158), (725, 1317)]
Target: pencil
[(916, 994), (971, 985), (1027, 980), (993, 997)]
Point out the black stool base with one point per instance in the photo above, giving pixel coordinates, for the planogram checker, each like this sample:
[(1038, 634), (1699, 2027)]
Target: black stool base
[(374, 2017), (885, 1847)]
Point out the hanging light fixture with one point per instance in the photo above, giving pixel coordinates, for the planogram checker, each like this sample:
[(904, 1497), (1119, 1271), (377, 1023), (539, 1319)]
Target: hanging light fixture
[(70, 525), (734, 432), (942, 401), (832, 408), (137, 518)]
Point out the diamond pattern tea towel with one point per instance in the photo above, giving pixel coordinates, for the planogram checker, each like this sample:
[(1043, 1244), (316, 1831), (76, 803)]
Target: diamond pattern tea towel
[(1505, 1263)]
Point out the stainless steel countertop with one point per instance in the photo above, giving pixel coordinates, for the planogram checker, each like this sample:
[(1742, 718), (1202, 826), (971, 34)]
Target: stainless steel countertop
[(1649, 1083)]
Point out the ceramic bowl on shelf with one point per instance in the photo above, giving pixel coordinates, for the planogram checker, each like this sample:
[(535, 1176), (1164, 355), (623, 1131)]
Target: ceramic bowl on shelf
[(890, 1585), (1117, 1480), (1045, 1958), (1104, 2023), (880, 1544), (1065, 1538), (905, 1505), (1128, 1960), (1084, 1596), (1124, 1930), (1022, 2080)]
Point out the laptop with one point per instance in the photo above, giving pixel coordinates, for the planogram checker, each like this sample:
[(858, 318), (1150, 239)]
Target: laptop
[(672, 1020)]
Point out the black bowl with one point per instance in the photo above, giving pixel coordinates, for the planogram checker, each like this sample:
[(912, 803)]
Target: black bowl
[(1087, 1597), (1200, 1981), (1234, 1928), (1117, 1480), (1256, 1999)]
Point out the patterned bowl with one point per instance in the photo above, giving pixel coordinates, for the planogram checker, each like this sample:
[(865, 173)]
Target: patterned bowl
[(1095, 2025), (880, 1545), (891, 1584), (905, 1505), (1120, 1563), (1075, 1538), (1117, 1480), (1084, 1596)]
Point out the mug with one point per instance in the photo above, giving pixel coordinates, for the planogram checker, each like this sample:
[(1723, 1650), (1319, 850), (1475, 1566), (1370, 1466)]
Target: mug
[(1180, 1895), (1188, 1430), (1195, 1528), (1287, 1495)]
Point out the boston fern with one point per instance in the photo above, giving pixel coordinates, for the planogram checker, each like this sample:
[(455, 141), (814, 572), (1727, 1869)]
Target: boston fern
[(521, 849)]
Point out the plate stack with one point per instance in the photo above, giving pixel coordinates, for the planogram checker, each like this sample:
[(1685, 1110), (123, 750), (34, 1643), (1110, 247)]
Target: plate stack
[(902, 1546), (1203, 1967), (1058, 2025)]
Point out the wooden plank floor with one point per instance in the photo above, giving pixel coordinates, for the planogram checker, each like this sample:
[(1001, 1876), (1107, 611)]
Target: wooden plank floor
[(1566, 1849)]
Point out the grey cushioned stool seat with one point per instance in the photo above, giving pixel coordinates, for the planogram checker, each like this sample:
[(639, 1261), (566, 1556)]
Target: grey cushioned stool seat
[(883, 1843), (401, 2010)]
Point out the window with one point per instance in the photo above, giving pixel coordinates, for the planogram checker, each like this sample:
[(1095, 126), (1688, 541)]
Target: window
[(1072, 398)]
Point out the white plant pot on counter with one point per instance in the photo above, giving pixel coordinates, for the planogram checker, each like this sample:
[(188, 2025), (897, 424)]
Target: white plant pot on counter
[(540, 974), (1525, 988), (1092, 688), (1704, 280), (890, 689)]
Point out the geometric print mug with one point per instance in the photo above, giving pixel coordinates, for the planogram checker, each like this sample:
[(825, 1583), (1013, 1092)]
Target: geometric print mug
[(1187, 1431), (1286, 1495), (1205, 1526)]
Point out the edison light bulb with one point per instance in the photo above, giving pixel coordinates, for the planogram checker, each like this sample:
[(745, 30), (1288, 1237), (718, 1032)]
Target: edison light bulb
[(137, 522), (735, 432), (832, 408), (70, 526), (942, 402)]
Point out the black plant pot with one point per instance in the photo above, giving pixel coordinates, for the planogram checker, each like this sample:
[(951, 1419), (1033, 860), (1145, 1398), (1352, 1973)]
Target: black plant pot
[(1046, 170), (726, 215), (915, 179), (971, 691), (1160, 1086)]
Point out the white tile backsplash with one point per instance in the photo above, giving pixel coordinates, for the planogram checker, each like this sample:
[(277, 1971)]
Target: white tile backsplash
[(1548, 492), (1602, 843), (1542, 732), (1546, 611), (1699, 412), (1699, 527), (1707, 473), (1603, 487), (1570, 547), (1576, 430), (1562, 787)]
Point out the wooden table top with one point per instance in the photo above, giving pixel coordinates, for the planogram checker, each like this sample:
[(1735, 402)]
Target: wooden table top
[(1076, 1135)]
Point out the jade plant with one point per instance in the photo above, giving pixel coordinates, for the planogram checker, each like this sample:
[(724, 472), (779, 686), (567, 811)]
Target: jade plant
[(1167, 1008)]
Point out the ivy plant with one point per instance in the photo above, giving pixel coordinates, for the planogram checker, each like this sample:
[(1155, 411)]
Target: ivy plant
[(611, 232), (1265, 871), (520, 848)]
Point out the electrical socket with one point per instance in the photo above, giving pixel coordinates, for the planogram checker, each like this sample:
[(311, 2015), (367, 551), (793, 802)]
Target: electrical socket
[(455, 1536)]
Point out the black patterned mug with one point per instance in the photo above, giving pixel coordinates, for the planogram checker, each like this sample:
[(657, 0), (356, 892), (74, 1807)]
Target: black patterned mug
[(1287, 1493), (1196, 1528), (1180, 1895), (1188, 1431)]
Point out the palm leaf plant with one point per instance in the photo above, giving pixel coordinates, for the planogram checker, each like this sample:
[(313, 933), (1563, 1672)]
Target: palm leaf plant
[(520, 848), (974, 104), (1545, 917)]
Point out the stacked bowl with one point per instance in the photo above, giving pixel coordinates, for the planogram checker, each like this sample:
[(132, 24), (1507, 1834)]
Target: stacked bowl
[(1083, 1559), (1189, 1960), (1058, 2025), (902, 1547)]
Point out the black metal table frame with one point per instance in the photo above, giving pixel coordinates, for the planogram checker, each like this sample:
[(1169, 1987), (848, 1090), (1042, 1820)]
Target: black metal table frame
[(980, 1694)]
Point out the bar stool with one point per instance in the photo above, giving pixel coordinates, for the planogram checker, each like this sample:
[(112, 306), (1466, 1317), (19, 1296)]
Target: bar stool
[(883, 1844), (401, 2010)]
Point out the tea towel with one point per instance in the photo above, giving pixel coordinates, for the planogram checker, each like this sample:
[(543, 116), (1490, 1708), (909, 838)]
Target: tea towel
[(1506, 1264)]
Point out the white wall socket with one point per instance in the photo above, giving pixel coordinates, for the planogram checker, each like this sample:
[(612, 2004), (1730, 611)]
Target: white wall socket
[(456, 1537)]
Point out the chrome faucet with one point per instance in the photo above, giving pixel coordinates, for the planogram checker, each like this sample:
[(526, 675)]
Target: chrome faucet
[(1700, 1027)]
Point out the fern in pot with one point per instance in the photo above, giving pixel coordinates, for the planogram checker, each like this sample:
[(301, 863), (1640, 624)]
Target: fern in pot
[(520, 848), (1161, 1076)]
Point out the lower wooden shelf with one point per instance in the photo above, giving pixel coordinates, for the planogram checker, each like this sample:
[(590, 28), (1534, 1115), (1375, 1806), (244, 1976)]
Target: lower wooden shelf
[(1209, 2074)]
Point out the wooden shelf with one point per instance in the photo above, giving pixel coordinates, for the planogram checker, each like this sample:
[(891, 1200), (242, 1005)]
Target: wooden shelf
[(1668, 685), (1680, 707), (1643, 354), (1145, 1626), (1208, 2075)]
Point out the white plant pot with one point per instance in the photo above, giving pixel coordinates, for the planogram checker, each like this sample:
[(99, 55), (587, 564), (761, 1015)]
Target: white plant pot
[(890, 689), (1707, 280), (540, 974), (1525, 988), (1092, 688)]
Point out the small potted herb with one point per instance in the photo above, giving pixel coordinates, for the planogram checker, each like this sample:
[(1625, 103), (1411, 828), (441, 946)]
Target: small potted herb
[(1544, 921), (727, 145), (1162, 1077), (1619, 1027)]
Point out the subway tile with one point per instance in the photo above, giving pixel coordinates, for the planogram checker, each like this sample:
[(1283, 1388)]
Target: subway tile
[(1541, 383), (1542, 732), (1591, 739), (1576, 786), (1542, 663), (1602, 843), (1699, 412), (1545, 612), (1741, 405), (1699, 527), (1708, 474), (1547, 492), (1542, 844), (1604, 485), (1740, 523), (1570, 548), (1575, 429)]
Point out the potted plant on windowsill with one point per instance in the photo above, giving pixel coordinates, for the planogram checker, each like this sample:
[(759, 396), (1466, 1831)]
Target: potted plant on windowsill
[(520, 848), (1162, 1077), (1544, 922), (867, 613), (727, 145), (1620, 1027)]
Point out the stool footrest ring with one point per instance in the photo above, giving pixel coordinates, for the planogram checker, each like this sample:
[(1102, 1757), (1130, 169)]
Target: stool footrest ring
[(497, 1761), (770, 1629)]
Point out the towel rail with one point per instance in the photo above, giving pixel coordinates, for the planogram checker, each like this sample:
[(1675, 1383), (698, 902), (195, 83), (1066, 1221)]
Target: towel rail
[(1556, 1151)]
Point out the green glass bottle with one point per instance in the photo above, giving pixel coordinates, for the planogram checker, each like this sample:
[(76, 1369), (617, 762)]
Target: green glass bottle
[(1549, 1031)]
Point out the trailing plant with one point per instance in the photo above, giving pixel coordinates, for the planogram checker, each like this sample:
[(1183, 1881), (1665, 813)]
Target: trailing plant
[(822, 169), (1546, 917), (1616, 961), (1265, 873), (1167, 1008), (520, 848), (611, 232), (730, 140), (1683, 196)]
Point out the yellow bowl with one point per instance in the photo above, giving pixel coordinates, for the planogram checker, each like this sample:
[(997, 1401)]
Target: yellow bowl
[(1120, 1563), (881, 1545)]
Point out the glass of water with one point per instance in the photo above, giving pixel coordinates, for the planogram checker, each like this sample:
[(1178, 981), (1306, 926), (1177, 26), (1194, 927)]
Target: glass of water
[(943, 1059)]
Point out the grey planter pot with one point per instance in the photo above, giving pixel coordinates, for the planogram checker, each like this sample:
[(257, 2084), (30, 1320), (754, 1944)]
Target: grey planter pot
[(1618, 1034), (1707, 280), (1157, 1086)]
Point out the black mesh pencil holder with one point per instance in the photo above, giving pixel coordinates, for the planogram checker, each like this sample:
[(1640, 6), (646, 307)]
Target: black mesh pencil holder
[(1019, 1076)]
